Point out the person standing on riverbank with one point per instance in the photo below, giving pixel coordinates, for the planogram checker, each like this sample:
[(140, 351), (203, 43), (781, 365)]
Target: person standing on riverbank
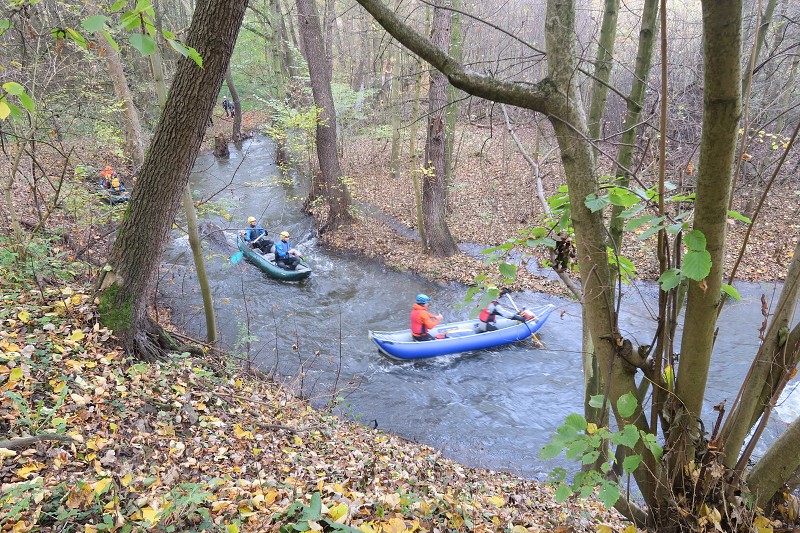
[(423, 321)]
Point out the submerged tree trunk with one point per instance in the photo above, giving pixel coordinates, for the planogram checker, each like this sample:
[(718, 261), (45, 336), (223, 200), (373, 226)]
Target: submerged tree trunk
[(439, 242), (127, 285), (336, 193)]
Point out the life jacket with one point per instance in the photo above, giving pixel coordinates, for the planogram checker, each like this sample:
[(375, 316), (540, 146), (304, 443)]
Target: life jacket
[(488, 317), (418, 327), (115, 183)]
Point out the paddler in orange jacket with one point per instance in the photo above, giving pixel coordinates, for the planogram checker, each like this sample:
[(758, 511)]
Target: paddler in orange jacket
[(421, 320)]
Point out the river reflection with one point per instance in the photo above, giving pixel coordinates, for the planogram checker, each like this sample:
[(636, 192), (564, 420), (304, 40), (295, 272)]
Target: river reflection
[(493, 409)]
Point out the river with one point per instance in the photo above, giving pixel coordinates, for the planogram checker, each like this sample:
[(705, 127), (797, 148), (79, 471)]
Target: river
[(492, 409)]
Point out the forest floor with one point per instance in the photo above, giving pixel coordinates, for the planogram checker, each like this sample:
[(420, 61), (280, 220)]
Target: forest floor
[(198, 444)]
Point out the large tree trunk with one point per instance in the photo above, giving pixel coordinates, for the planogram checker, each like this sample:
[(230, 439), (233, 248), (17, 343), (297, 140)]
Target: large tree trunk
[(439, 242), (335, 190), (136, 254)]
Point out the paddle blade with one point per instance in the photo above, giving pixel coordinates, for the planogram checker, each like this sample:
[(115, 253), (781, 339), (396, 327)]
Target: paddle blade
[(235, 258)]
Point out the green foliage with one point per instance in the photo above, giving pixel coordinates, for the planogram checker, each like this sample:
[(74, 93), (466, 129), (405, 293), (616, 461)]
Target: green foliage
[(583, 442), (292, 128), (40, 260), (302, 517)]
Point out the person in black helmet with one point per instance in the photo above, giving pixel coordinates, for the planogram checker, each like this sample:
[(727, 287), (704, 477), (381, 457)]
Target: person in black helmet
[(488, 316)]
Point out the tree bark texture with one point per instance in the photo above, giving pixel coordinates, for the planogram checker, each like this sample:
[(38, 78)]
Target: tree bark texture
[(439, 241), (335, 190), (137, 251)]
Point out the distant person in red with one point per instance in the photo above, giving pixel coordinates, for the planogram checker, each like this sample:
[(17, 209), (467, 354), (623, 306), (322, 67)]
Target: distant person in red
[(422, 321)]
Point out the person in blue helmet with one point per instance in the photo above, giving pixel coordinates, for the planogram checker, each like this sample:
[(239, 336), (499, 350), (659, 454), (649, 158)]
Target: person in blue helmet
[(423, 321)]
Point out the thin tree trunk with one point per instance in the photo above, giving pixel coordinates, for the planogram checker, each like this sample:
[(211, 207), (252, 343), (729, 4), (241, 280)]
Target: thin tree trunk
[(722, 45), (602, 68), (236, 134), (440, 242), (132, 128), (395, 97), (768, 368), (335, 190), (453, 94)]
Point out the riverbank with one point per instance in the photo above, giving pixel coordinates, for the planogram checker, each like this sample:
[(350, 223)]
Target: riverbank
[(493, 198), (199, 444)]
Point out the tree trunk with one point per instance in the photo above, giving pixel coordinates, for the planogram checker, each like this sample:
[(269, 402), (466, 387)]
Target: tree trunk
[(335, 190), (453, 94), (395, 103), (134, 260), (767, 370), (132, 128), (722, 45), (439, 242), (236, 134), (602, 68)]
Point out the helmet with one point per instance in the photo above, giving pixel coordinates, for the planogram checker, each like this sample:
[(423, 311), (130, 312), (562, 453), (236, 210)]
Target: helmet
[(284, 234), (250, 220), (423, 299)]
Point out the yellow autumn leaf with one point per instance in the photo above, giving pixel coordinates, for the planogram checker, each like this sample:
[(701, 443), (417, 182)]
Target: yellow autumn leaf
[(29, 468), (101, 486), (395, 525), (16, 374), (523, 529), (5, 452), (497, 501), (762, 525), (87, 528), (629, 529), (58, 386), (245, 510), (232, 528), (126, 480), (338, 512), (298, 441), (149, 514), (76, 299), (77, 336), (10, 347), (241, 433), (4, 112), (591, 428), (24, 316)]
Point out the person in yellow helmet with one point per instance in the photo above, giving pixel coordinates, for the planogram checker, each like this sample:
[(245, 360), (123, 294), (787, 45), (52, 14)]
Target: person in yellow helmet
[(256, 237), (285, 256), (111, 181)]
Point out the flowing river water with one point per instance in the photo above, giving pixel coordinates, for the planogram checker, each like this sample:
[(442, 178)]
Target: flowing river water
[(492, 409)]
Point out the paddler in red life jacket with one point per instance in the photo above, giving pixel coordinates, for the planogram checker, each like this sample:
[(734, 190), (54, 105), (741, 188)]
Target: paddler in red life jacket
[(488, 317), (421, 320)]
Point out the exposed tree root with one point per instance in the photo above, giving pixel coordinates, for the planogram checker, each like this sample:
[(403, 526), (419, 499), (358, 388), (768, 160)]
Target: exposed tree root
[(150, 342)]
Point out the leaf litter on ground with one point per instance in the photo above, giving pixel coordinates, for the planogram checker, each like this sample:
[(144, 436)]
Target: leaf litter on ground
[(198, 444)]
